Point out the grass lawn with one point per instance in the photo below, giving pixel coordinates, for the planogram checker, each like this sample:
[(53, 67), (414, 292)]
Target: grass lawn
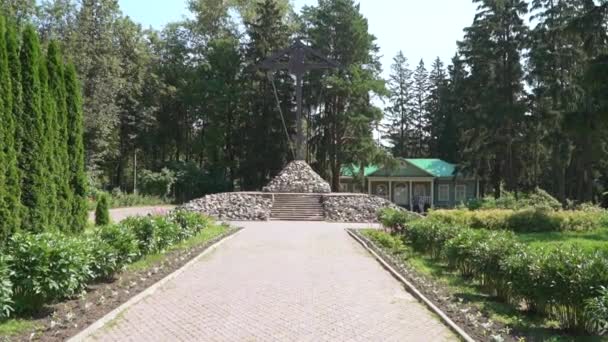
[(597, 239), (15, 326)]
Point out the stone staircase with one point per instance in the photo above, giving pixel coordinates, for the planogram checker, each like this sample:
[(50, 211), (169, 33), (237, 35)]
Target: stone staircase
[(297, 207)]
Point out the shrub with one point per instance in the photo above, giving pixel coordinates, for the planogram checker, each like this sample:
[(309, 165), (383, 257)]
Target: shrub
[(190, 223), (429, 236), (143, 229), (459, 250), (495, 219), (166, 233), (122, 240), (103, 258), (536, 199), (102, 212), (596, 313), (157, 183), (393, 243), (532, 220), (395, 218), (6, 288), (47, 267)]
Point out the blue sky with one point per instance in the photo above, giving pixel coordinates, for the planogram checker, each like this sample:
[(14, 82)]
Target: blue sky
[(421, 28)]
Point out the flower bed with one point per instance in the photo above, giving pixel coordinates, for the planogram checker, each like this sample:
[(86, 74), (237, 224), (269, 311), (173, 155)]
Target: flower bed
[(61, 283), (557, 283)]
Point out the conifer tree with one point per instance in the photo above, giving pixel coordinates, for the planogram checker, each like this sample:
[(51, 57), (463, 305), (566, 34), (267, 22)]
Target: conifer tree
[(51, 174), (400, 110), (32, 160), (420, 135), (6, 217), (60, 146), (76, 174)]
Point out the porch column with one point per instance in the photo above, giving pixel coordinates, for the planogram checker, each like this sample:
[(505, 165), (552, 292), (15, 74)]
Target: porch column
[(432, 194), (411, 204), (390, 190)]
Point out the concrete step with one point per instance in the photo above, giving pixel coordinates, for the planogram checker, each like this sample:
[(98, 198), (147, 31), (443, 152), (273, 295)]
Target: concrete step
[(297, 207)]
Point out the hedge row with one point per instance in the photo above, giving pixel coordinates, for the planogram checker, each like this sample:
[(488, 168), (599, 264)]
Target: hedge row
[(560, 283), (525, 220), (36, 269)]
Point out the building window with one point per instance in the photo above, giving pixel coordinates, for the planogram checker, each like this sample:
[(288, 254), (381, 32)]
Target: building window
[(444, 192), (461, 193)]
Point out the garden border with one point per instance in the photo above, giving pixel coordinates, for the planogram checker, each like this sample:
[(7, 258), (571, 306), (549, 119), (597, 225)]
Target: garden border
[(100, 323), (412, 289)]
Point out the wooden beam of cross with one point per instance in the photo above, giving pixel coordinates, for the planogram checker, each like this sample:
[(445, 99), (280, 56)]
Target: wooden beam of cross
[(298, 59)]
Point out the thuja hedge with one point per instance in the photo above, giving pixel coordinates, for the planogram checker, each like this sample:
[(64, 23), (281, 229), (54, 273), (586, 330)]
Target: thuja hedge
[(559, 283), (36, 269), (524, 220)]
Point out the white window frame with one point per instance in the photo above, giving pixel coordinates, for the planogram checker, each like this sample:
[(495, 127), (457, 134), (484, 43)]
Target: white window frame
[(443, 193), (460, 193)]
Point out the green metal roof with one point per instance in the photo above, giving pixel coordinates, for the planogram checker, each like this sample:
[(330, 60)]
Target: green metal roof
[(351, 170), (435, 167), (423, 168)]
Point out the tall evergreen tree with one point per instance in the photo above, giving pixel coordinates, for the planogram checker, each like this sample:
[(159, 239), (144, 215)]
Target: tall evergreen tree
[(348, 117), (9, 177), (58, 126), (32, 159), (77, 175), (442, 126), (399, 115), (419, 145), (492, 49)]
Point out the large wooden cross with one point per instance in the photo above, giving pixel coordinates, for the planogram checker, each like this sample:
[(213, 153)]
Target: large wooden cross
[(298, 59)]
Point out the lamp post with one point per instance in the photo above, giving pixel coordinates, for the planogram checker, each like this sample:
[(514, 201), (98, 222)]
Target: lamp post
[(298, 59)]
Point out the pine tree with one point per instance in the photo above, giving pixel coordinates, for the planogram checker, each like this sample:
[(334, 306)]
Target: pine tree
[(420, 131), (400, 112), (76, 153), (443, 137), (32, 160), (60, 134)]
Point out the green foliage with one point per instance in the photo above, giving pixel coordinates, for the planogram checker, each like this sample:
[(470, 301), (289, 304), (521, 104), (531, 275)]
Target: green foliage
[(10, 190), (143, 229), (122, 240), (33, 154), (395, 218), (538, 199), (104, 259), (193, 182), (76, 154), (6, 288), (190, 223), (102, 212), (393, 243), (157, 183), (556, 282), (524, 220), (47, 267), (596, 313)]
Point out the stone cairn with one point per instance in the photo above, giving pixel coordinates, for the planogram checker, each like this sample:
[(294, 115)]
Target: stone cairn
[(233, 206), (355, 207), (298, 177)]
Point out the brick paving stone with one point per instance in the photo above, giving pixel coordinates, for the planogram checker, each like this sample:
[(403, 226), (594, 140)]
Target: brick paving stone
[(281, 281)]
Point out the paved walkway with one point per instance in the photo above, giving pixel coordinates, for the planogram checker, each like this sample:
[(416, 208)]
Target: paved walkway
[(281, 281)]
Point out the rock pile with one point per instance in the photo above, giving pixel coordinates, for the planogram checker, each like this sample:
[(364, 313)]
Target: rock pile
[(354, 208), (298, 177), (233, 206)]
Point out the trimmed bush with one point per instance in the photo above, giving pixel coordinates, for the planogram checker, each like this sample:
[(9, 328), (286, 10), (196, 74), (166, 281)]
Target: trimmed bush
[(429, 236), (103, 258), (395, 219), (525, 220), (539, 199), (6, 288), (393, 243), (190, 223), (122, 240), (102, 212), (143, 229), (47, 267)]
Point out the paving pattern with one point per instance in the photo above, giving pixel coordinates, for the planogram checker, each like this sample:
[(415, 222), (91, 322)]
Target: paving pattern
[(281, 281)]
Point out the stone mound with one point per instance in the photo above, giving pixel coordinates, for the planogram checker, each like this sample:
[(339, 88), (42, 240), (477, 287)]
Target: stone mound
[(298, 177), (354, 208), (232, 206)]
